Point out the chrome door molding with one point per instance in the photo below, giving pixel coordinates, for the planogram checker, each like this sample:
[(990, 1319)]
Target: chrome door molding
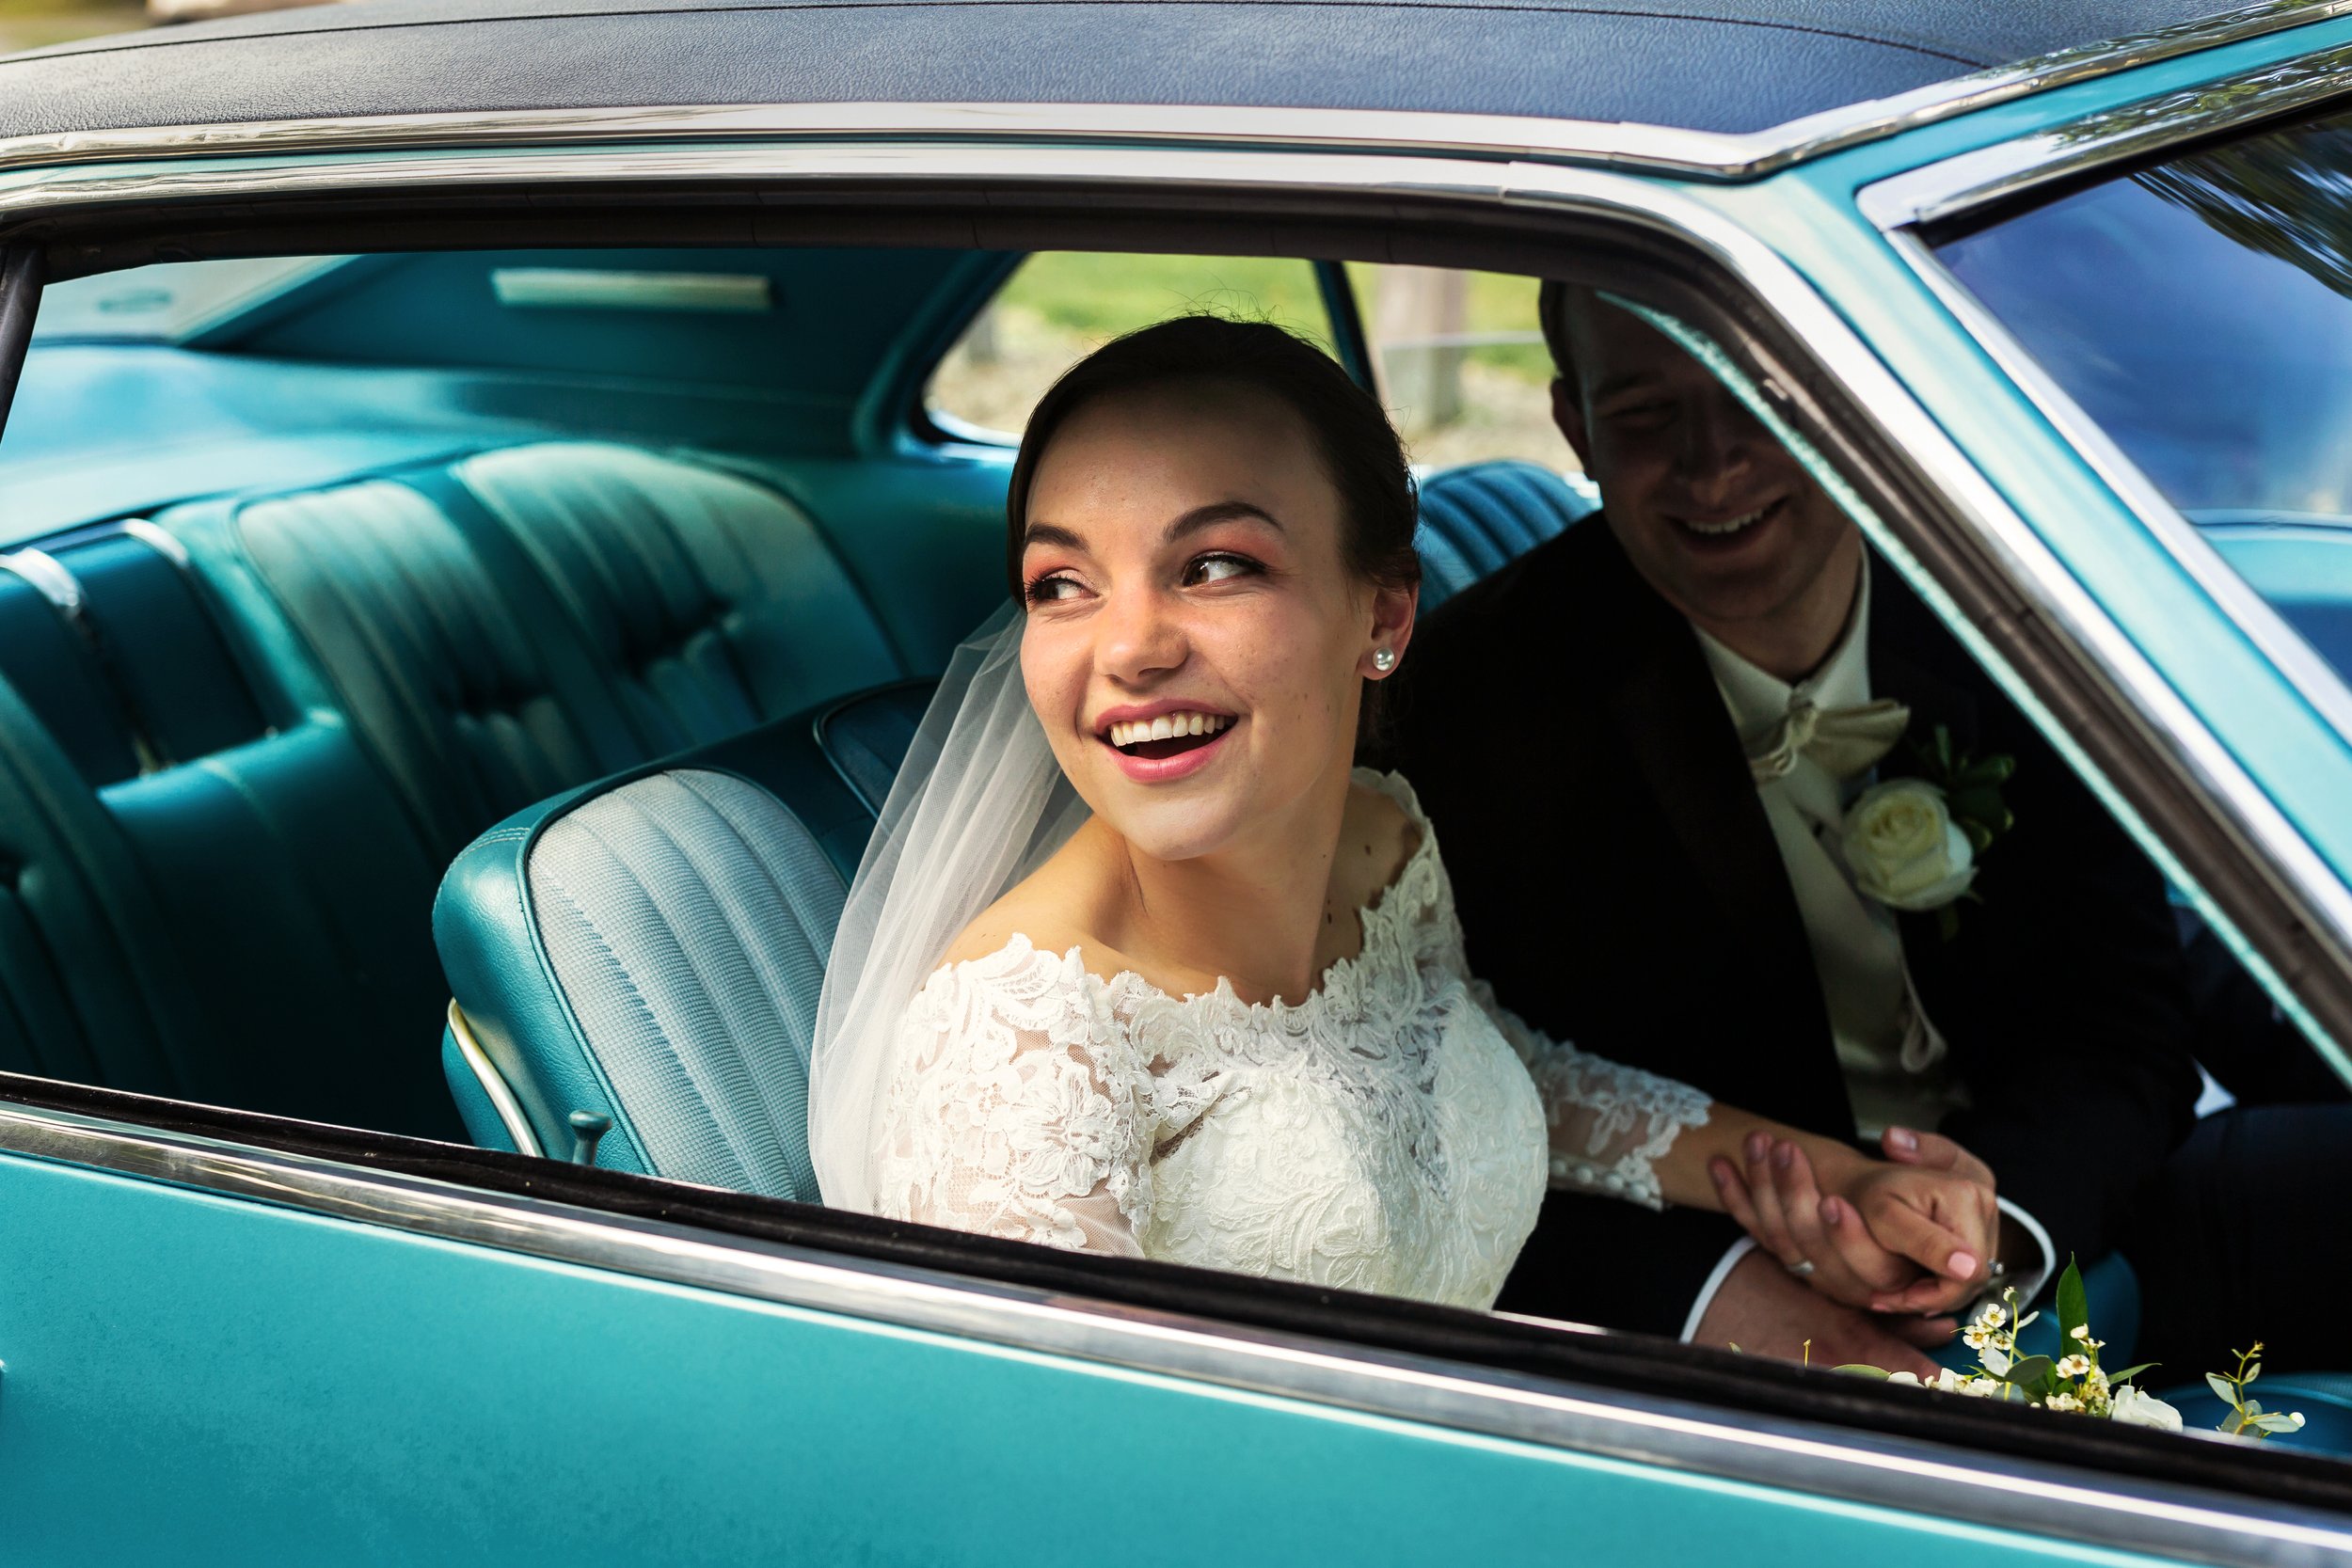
[(1909, 1475), (1658, 149), (1956, 186)]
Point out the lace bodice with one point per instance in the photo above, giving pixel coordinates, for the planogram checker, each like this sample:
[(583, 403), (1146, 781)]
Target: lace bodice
[(1393, 1132)]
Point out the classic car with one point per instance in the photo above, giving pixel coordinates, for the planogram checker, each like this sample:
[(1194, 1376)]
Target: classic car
[(543, 452)]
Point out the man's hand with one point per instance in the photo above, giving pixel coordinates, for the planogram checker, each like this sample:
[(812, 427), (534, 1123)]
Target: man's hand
[(1765, 1310)]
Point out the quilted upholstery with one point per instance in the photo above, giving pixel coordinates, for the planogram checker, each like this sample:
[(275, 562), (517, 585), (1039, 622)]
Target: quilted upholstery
[(1475, 518), (474, 711), (686, 916), (710, 602)]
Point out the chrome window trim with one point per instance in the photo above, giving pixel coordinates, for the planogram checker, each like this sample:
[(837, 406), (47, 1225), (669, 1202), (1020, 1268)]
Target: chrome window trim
[(1660, 148), (494, 1086), (1907, 1475), (1962, 184)]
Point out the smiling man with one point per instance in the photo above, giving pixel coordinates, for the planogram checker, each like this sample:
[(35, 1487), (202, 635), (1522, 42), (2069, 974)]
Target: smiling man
[(1668, 753)]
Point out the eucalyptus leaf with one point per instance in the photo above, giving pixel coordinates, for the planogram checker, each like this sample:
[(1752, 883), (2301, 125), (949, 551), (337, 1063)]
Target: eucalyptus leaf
[(2223, 1388), (2073, 1304), (1860, 1370), (2031, 1373)]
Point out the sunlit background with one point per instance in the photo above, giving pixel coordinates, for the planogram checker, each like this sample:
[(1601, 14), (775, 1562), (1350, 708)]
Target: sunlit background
[(37, 24)]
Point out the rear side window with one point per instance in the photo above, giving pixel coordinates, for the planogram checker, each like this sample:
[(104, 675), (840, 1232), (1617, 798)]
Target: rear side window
[(1461, 363), (1061, 306)]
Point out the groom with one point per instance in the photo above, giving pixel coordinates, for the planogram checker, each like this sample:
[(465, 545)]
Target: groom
[(1641, 744)]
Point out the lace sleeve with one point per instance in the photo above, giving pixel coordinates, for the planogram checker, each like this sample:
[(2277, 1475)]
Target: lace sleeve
[(1016, 1114), (1610, 1124)]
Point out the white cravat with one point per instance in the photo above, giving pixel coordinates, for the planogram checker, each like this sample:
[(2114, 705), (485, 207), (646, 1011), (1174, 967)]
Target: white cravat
[(1893, 1061)]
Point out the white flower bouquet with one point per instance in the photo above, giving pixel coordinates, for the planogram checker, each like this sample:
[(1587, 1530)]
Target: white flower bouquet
[(2074, 1382)]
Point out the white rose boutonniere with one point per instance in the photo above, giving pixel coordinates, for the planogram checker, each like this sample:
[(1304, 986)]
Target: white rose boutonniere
[(1903, 848), (1912, 843)]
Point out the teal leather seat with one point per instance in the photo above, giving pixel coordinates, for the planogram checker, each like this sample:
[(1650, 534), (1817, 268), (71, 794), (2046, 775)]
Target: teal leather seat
[(239, 744), (535, 617), (651, 948), (1476, 517)]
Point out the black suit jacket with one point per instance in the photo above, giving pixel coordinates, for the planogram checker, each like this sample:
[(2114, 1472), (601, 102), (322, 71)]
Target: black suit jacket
[(1620, 887)]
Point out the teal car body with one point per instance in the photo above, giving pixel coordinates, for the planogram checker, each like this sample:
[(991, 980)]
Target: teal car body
[(236, 1338)]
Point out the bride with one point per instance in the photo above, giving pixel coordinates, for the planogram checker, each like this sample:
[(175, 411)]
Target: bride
[(1138, 963)]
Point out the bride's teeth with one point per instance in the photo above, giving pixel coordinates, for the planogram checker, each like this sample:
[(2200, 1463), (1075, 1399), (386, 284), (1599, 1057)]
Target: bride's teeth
[(1169, 726)]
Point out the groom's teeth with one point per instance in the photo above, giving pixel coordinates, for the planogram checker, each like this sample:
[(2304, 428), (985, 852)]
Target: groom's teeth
[(1730, 526), (1167, 726)]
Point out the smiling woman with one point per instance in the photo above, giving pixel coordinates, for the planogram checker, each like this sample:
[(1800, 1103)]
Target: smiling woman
[(1222, 1015)]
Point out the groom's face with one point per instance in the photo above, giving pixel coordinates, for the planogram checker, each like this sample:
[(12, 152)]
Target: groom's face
[(1711, 510)]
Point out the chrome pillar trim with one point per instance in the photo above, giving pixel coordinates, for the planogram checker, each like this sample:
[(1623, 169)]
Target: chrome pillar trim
[(1908, 1475), (494, 1085), (1972, 179), (1661, 148)]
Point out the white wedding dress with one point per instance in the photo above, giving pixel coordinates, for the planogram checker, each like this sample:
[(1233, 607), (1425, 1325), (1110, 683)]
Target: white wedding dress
[(1393, 1132)]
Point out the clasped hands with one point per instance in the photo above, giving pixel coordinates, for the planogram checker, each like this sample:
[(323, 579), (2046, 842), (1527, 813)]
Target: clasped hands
[(1915, 1233)]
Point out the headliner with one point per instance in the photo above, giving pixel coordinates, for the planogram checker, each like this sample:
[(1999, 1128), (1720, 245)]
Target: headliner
[(1703, 64)]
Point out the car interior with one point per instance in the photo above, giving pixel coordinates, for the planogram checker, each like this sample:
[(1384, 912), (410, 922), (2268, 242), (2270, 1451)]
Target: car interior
[(513, 648)]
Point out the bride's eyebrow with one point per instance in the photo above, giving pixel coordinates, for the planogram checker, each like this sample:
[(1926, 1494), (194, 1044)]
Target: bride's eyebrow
[(1049, 533), (1220, 512)]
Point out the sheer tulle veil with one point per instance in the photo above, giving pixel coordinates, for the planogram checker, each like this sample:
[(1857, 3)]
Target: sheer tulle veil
[(978, 803)]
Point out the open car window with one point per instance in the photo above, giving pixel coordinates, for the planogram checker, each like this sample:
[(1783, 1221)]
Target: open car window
[(1060, 305)]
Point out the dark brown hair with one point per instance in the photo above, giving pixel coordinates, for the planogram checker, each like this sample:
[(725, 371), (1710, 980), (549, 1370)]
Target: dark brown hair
[(1359, 448)]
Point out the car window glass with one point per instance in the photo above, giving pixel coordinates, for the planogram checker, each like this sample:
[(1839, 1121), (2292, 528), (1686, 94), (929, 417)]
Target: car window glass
[(2234, 405), (1061, 306), (1461, 363)]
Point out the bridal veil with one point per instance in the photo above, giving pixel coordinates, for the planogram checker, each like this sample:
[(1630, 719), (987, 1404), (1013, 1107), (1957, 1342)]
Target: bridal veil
[(978, 803)]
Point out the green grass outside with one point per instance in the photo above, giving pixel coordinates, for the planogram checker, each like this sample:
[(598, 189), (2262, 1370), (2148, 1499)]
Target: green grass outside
[(1100, 296)]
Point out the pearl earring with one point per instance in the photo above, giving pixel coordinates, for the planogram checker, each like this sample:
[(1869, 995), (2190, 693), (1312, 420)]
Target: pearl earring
[(1384, 660)]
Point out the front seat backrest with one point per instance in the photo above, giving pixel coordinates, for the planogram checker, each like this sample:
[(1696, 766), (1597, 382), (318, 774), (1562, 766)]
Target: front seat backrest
[(651, 950)]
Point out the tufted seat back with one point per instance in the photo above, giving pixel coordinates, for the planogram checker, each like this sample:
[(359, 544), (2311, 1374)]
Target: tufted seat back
[(535, 617), (710, 602), (1477, 517), (651, 949)]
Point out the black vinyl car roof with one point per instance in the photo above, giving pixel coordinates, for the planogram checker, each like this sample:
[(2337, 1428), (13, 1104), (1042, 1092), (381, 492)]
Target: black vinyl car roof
[(1704, 65)]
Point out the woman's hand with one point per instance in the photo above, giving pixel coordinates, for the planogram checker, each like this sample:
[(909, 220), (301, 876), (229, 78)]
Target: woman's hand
[(1915, 1234)]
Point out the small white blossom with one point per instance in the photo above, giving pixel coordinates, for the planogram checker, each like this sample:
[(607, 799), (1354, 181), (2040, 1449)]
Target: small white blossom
[(1991, 1315), (1909, 1380), (2064, 1401), (2074, 1365), (1984, 1387)]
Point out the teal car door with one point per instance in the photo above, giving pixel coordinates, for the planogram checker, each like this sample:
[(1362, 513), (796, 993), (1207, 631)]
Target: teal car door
[(216, 1353)]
